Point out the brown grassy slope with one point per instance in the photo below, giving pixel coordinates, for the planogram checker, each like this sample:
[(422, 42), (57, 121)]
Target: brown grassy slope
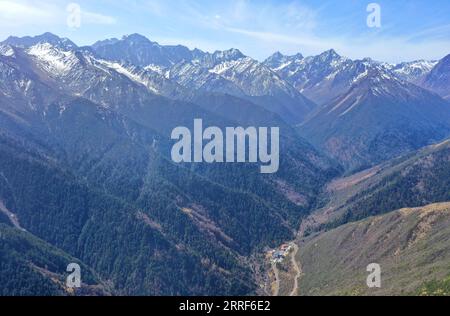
[(411, 245)]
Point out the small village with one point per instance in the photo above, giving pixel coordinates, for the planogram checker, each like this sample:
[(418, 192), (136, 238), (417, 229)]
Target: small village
[(278, 255)]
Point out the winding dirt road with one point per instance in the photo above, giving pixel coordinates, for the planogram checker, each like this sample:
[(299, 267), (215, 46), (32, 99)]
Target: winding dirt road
[(277, 279), (296, 266), (298, 269)]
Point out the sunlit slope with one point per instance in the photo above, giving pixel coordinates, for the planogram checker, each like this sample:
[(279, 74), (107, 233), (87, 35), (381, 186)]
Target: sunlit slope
[(411, 245)]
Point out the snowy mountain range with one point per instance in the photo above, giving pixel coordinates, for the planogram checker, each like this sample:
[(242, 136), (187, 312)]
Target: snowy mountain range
[(321, 93), (414, 71), (380, 117), (328, 75)]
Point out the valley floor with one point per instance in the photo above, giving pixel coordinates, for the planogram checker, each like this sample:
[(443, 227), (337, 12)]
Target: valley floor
[(284, 275)]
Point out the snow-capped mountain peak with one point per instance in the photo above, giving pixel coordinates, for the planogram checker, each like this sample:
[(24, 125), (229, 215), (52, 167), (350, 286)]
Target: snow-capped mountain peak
[(80, 71), (140, 51), (329, 75), (154, 81), (278, 61), (211, 60), (231, 54), (128, 72), (414, 71), (329, 56), (135, 37), (53, 59), (274, 59), (46, 38)]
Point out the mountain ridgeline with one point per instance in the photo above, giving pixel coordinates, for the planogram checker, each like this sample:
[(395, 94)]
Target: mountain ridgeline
[(370, 111), (86, 173)]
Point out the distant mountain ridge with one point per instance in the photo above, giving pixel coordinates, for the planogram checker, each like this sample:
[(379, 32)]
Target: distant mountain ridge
[(49, 38), (369, 111), (278, 85), (328, 75), (380, 117), (415, 71), (438, 79), (140, 51), (177, 72), (227, 71)]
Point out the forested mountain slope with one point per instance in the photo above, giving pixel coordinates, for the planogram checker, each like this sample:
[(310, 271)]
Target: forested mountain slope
[(86, 167)]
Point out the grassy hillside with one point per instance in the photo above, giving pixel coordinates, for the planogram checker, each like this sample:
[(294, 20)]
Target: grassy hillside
[(412, 246)]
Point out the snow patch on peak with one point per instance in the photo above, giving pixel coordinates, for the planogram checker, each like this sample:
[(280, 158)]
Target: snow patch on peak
[(232, 53), (156, 68), (235, 66), (124, 71), (415, 70), (6, 50), (278, 61), (282, 66), (53, 60), (361, 76), (223, 67)]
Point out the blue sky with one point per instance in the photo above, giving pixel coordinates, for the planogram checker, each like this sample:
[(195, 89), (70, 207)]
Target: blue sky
[(410, 29)]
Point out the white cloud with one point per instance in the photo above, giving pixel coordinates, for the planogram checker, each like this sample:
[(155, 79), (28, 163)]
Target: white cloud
[(20, 13), (287, 18), (155, 7), (276, 38), (24, 13), (96, 18)]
